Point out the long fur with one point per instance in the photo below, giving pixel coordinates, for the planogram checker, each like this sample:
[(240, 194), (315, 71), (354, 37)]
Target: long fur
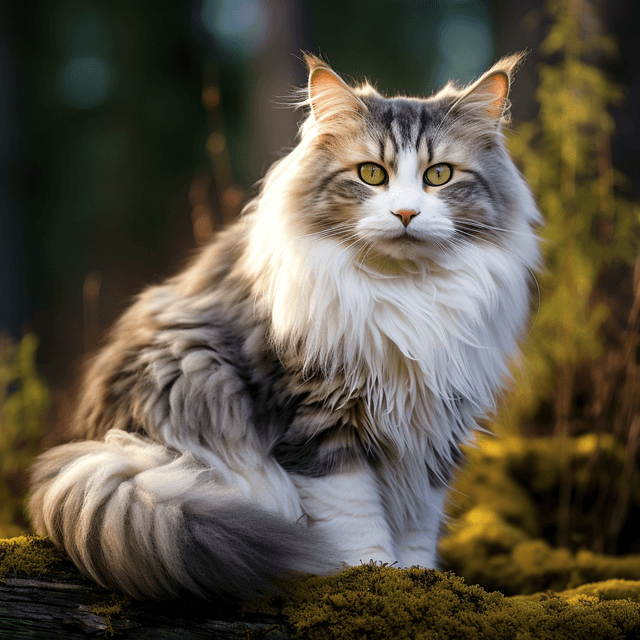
[(130, 514), (297, 397)]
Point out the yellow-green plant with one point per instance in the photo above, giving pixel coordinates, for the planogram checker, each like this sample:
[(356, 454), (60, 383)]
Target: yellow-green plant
[(24, 400), (561, 385), (372, 601), (504, 515), (565, 156)]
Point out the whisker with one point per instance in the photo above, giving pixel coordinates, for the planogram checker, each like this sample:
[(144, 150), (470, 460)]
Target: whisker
[(334, 230), (490, 227), (368, 249)]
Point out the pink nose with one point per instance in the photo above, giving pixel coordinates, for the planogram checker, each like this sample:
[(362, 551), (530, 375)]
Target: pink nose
[(405, 215)]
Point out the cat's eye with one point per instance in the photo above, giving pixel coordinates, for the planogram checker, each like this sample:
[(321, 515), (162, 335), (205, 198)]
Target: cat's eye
[(372, 173), (438, 174)]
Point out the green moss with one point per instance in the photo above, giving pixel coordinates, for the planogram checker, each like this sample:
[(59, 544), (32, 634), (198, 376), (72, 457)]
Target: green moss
[(31, 554), (606, 590), (373, 601), (381, 602), (114, 607)]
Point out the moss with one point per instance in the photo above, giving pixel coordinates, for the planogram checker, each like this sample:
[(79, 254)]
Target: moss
[(532, 565), (111, 608), (381, 602), (486, 482), (614, 589), (24, 400), (30, 554)]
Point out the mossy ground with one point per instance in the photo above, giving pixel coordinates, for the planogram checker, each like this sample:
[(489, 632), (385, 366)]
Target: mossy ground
[(420, 604), (372, 601), (113, 607)]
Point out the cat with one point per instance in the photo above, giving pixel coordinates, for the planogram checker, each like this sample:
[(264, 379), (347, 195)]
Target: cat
[(296, 399)]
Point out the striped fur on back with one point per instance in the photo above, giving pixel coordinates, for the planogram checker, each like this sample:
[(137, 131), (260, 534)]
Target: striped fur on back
[(296, 398)]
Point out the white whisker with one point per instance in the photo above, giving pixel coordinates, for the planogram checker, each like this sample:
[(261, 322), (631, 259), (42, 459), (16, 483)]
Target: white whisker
[(490, 227)]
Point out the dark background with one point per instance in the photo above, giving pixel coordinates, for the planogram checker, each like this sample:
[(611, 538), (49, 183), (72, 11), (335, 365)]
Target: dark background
[(128, 130)]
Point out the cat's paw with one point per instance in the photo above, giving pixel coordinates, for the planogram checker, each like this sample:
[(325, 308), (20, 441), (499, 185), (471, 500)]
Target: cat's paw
[(366, 556)]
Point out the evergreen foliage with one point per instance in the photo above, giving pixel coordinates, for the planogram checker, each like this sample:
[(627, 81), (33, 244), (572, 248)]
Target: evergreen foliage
[(565, 156)]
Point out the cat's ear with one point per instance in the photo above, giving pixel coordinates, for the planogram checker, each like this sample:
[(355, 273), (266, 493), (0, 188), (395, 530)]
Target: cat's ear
[(487, 97), (331, 98)]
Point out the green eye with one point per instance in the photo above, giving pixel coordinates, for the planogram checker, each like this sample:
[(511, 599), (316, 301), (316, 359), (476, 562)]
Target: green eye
[(372, 173), (438, 175)]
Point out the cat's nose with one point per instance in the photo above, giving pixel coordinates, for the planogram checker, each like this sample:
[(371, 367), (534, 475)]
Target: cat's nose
[(405, 215)]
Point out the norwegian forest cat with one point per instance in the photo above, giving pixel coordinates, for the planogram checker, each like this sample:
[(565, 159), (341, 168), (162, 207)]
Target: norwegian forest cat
[(295, 400)]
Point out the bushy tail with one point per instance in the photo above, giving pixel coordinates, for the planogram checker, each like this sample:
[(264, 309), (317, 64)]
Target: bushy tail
[(141, 519)]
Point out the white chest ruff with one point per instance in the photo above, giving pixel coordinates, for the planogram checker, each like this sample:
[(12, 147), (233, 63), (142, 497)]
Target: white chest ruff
[(426, 340)]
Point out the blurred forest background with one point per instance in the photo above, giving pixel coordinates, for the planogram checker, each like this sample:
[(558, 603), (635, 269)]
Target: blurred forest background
[(130, 131)]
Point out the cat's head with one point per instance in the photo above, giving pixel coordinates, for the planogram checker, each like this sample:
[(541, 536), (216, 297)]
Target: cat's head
[(408, 177)]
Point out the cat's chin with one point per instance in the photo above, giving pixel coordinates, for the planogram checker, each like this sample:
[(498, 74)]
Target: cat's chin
[(409, 248), (406, 250)]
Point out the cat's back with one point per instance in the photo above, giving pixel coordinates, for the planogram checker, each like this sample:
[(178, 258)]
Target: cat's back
[(201, 310)]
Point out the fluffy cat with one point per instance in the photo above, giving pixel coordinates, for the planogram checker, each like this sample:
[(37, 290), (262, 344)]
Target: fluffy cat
[(296, 398)]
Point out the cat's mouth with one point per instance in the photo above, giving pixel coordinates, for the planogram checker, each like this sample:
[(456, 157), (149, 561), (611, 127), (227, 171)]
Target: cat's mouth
[(412, 236), (404, 245), (408, 244), (408, 235)]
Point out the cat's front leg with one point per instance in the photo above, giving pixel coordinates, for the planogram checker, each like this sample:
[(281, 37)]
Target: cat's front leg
[(418, 544), (345, 508)]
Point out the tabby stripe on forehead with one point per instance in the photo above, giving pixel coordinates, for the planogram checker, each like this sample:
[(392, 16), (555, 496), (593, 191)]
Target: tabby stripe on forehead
[(405, 119), (381, 141), (424, 120), (387, 119)]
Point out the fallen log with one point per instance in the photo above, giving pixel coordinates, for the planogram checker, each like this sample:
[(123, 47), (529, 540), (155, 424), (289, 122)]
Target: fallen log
[(42, 596)]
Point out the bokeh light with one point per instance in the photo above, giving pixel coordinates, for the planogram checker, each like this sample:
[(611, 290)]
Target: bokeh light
[(465, 45), (86, 81), (238, 26)]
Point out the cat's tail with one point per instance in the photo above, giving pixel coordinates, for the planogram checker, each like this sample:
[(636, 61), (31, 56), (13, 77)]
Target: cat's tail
[(139, 518)]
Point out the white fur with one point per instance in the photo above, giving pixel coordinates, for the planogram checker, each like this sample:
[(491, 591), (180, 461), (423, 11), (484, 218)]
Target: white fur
[(418, 544), (350, 509), (256, 479)]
